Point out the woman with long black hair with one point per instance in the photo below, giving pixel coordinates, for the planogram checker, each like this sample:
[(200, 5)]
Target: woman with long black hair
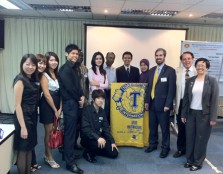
[(26, 97)]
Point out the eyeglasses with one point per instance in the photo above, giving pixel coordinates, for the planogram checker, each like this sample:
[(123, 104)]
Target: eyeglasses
[(200, 66)]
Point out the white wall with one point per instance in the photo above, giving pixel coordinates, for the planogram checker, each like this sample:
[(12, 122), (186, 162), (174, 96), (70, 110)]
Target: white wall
[(141, 42)]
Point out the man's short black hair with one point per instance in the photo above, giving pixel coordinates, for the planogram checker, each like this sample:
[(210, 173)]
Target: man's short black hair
[(98, 93), (127, 53), (71, 47)]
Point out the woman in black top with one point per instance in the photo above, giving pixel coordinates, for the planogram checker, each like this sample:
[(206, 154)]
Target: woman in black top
[(26, 95)]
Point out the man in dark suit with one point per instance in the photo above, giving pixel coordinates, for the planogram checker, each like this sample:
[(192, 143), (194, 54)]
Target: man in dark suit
[(159, 100), (126, 72)]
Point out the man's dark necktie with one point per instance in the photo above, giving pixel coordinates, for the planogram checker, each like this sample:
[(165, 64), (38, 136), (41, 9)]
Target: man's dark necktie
[(128, 72), (187, 76)]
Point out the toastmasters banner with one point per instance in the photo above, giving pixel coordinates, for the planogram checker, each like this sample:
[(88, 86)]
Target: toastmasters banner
[(129, 122)]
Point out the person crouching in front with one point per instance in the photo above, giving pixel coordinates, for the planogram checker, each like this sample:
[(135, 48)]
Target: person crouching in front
[(95, 130)]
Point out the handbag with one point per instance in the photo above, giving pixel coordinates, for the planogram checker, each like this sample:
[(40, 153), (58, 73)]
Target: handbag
[(56, 135)]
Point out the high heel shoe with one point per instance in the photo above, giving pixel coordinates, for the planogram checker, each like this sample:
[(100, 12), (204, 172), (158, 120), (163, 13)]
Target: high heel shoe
[(51, 163)]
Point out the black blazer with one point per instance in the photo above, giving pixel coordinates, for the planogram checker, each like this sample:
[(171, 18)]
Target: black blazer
[(165, 89), (122, 75), (95, 125), (209, 97)]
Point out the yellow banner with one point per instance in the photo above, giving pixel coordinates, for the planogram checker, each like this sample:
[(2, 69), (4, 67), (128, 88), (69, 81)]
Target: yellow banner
[(129, 122)]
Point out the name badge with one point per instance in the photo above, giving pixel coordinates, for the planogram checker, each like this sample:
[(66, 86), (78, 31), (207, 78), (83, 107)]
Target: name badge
[(164, 79)]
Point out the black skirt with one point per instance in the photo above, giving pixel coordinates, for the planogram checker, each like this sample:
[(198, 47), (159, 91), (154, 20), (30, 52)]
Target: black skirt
[(30, 118), (46, 112)]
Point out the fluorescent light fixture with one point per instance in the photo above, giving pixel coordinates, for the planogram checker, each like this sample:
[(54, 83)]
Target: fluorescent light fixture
[(149, 12), (8, 5), (21, 4)]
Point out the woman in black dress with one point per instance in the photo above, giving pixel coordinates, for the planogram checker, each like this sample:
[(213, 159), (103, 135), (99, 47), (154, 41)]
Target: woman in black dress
[(41, 60), (50, 102), (26, 95)]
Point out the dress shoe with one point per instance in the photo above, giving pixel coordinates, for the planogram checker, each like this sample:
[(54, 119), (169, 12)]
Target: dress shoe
[(187, 165), (179, 154), (194, 168), (164, 153), (90, 158), (150, 149), (74, 169)]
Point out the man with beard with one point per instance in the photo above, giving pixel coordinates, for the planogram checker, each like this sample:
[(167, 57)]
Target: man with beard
[(159, 101)]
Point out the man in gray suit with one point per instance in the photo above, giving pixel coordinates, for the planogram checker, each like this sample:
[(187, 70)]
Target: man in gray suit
[(183, 73)]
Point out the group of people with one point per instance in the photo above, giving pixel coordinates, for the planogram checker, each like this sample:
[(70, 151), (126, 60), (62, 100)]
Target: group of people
[(193, 95), (83, 95)]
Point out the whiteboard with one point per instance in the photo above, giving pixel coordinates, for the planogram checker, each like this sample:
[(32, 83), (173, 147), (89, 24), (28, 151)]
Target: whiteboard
[(213, 51), (141, 42)]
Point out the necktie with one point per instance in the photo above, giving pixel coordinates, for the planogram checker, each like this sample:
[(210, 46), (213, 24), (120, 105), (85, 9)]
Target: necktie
[(128, 72), (187, 76), (156, 75)]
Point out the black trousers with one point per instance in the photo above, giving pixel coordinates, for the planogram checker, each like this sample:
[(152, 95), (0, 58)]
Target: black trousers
[(198, 132), (181, 137), (107, 104), (92, 148), (163, 119), (70, 111), (80, 110)]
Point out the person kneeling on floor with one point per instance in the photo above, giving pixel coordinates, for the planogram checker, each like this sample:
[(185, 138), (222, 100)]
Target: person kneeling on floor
[(95, 130)]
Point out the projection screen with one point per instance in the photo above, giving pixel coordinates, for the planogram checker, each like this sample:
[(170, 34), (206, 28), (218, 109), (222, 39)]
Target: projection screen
[(141, 42)]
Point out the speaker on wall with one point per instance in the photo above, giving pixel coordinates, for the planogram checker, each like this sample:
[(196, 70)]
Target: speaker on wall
[(2, 34)]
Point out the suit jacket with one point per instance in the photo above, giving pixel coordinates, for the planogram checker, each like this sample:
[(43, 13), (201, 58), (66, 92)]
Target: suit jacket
[(209, 97), (165, 88), (95, 125), (122, 75), (179, 72)]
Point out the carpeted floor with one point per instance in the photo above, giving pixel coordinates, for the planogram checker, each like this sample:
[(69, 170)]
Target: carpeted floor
[(133, 160)]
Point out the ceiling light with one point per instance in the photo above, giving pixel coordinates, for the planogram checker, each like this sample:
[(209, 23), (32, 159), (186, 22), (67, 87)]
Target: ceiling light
[(67, 8), (8, 5), (149, 12), (20, 4)]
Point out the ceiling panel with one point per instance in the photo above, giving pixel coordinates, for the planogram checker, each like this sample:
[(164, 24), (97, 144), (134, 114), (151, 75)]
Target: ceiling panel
[(74, 2), (139, 5), (50, 2), (198, 8), (211, 2), (20, 13), (107, 3), (186, 14), (79, 15), (182, 1), (58, 14), (172, 7), (112, 11), (204, 8)]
